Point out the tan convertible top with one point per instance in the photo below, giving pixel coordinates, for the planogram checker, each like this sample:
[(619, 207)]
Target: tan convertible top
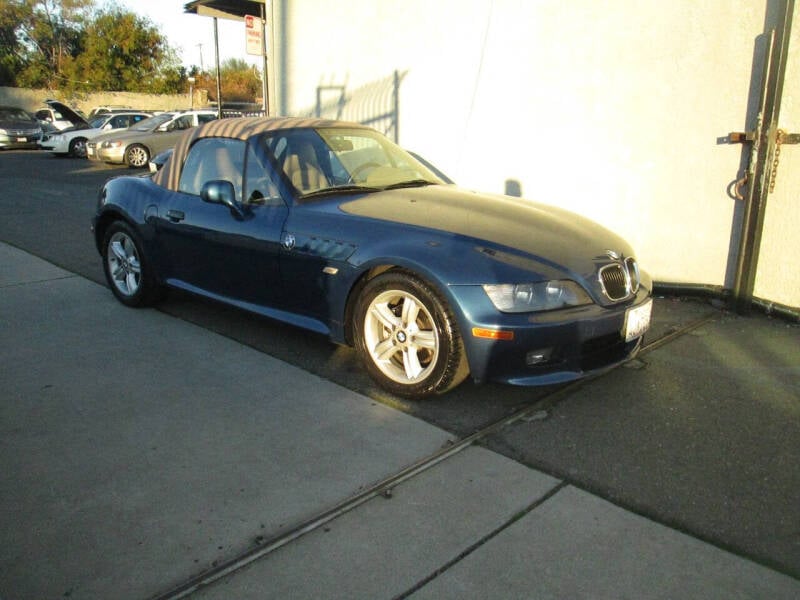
[(240, 128)]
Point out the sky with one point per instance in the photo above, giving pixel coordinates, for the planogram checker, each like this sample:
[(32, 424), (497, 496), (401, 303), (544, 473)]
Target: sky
[(185, 31)]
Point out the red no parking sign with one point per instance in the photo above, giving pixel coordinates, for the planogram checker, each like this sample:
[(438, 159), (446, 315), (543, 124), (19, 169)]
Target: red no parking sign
[(253, 32)]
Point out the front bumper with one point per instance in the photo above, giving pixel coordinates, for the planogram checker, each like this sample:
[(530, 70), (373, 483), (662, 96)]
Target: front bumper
[(15, 142), (547, 348), (109, 155)]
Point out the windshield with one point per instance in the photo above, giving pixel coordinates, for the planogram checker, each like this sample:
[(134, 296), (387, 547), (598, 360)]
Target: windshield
[(98, 122), (14, 114), (153, 122), (331, 160)]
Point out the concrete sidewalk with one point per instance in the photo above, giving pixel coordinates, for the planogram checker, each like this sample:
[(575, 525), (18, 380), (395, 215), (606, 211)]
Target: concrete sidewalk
[(137, 450)]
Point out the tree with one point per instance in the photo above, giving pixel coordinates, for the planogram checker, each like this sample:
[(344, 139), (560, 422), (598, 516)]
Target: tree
[(239, 82), (49, 31), (73, 46), (11, 51), (121, 51)]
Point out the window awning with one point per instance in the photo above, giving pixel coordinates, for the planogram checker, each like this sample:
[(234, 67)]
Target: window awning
[(224, 9)]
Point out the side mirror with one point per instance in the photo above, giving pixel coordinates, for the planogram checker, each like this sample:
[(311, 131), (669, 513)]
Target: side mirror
[(219, 191)]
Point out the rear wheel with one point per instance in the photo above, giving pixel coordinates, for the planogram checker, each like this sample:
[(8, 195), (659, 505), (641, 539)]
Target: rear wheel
[(137, 156), (407, 337), (77, 147), (127, 271)]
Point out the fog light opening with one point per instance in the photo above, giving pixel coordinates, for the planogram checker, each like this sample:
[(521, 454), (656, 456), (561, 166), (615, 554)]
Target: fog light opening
[(538, 357)]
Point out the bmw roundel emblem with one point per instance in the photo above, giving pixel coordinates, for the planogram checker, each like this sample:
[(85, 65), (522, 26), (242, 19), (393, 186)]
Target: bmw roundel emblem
[(288, 241), (613, 255)]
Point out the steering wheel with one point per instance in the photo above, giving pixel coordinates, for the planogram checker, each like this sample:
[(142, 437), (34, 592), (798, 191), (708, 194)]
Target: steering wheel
[(357, 171)]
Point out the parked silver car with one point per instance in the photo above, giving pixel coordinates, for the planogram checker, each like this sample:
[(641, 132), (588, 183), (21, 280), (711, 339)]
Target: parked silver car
[(18, 128), (134, 146)]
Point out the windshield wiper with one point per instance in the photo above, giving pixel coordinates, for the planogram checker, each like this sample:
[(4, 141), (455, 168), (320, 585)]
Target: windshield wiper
[(339, 189), (410, 183)]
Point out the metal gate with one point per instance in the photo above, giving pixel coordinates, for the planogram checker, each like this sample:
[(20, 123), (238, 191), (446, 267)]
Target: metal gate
[(766, 140)]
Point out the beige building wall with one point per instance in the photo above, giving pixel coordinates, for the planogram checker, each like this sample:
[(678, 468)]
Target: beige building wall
[(31, 100), (614, 109)]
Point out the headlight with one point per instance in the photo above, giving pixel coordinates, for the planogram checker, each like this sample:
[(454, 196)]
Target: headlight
[(534, 297), (3, 132), (111, 144)]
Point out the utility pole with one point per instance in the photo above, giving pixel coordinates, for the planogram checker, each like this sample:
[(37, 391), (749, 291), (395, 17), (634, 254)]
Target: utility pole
[(200, 46)]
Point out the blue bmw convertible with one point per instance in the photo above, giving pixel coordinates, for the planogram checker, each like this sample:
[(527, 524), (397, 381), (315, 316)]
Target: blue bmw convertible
[(329, 226)]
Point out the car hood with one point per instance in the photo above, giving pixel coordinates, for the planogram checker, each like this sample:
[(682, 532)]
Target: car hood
[(87, 133), (69, 114), (550, 235), (19, 124)]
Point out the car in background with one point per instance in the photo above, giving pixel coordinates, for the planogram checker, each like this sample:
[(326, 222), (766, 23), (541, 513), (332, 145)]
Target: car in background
[(72, 142), (159, 159), (108, 109), (61, 116), (18, 128), (134, 146), (332, 227)]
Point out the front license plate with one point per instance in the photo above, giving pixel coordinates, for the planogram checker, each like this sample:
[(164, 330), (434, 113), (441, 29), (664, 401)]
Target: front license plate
[(22, 139), (637, 320)]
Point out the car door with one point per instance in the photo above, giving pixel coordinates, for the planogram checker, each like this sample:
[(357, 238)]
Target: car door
[(210, 248), (163, 139)]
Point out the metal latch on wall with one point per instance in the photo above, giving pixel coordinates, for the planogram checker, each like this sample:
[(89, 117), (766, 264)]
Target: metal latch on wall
[(781, 138)]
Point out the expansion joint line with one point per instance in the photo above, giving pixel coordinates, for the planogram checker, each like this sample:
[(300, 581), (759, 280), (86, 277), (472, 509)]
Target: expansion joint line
[(489, 536), (236, 563)]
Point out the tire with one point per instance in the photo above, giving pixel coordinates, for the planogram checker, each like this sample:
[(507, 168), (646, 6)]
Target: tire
[(77, 147), (126, 267), (407, 337), (137, 156)]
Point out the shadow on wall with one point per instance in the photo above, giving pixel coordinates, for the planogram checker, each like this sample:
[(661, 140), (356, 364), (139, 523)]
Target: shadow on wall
[(376, 104)]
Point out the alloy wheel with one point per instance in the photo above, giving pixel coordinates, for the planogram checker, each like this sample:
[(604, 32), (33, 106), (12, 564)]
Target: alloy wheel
[(124, 264), (401, 336)]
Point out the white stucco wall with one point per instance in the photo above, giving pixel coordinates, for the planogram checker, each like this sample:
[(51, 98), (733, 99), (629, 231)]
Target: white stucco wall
[(609, 108)]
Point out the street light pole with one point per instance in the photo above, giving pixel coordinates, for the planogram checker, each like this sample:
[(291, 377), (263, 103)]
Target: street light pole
[(264, 86), (219, 83)]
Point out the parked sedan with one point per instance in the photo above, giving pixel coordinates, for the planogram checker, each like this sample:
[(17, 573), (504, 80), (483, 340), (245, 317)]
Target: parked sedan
[(18, 128), (60, 116), (135, 145), (331, 227), (73, 141)]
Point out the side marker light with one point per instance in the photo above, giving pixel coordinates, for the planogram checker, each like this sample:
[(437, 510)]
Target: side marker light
[(492, 334)]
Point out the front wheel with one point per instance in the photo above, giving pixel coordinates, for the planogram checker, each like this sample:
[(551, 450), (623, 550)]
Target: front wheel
[(137, 156), (126, 268), (77, 147), (407, 337)]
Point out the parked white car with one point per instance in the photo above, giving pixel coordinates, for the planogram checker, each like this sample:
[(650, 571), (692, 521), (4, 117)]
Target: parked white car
[(72, 142), (60, 115)]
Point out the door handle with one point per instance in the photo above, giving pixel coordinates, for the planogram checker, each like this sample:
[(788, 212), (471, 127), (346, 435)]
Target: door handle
[(175, 215)]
